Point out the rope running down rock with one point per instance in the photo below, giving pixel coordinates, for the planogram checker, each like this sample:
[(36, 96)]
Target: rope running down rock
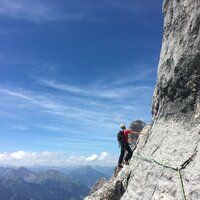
[(169, 167)]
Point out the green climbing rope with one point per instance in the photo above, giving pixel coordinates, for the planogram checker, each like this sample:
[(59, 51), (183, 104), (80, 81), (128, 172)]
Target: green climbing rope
[(150, 160), (167, 166), (159, 163), (182, 186)]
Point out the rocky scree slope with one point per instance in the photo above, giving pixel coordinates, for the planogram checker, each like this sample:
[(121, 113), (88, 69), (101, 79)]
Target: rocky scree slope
[(169, 151)]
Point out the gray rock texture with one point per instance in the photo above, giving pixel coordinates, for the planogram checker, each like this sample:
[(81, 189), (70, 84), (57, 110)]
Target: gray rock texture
[(137, 126), (99, 184), (166, 163), (178, 84)]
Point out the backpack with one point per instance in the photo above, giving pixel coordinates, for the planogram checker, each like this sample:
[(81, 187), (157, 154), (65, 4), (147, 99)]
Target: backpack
[(120, 136)]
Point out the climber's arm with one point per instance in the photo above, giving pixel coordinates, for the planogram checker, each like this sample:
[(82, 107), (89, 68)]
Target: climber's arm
[(134, 132)]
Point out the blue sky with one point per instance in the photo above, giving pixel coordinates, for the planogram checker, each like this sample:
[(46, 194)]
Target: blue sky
[(71, 72)]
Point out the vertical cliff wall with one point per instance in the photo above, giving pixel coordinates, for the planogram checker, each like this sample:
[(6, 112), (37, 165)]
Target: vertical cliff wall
[(166, 164), (178, 84)]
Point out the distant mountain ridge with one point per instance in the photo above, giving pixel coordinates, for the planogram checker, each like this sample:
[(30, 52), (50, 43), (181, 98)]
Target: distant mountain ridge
[(86, 175), (49, 184), (23, 184)]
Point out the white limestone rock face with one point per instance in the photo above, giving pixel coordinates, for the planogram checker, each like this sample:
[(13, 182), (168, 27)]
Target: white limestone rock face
[(172, 142), (178, 85)]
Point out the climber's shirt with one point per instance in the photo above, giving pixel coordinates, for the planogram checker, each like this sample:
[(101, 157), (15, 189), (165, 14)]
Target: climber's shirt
[(126, 132)]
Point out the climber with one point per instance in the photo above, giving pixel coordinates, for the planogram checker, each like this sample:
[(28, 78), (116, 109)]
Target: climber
[(125, 146)]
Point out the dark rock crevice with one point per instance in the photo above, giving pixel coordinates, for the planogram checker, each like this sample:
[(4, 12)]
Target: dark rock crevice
[(189, 160)]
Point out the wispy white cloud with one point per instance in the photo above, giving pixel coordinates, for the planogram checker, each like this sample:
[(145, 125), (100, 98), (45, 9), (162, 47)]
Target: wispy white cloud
[(68, 111), (45, 11), (35, 11), (92, 158), (19, 127), (68, 118), (85, 106), (144, 75), (103, 156), (53, 128), (45, 158), (101, 91)]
